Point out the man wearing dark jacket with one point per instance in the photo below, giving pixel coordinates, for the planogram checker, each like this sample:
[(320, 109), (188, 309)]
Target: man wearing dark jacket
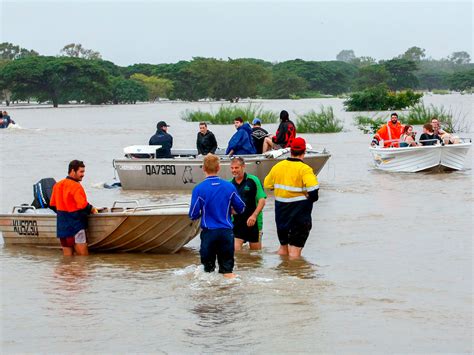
[(206, 141), (163, 138), (241, 142)]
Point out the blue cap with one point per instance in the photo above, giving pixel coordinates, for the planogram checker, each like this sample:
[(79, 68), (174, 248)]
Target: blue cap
[(257, 120)]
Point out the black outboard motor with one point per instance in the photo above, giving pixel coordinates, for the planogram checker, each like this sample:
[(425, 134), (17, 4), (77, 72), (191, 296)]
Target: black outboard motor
[(42, 192)]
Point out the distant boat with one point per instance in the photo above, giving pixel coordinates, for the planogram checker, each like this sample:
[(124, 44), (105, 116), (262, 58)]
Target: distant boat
[(160, 228), (420, 158), (140, 170)]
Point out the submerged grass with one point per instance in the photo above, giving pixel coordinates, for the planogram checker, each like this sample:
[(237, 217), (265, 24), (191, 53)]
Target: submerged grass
[(369, 124), (227, 113), (450, 120), (323, 121)]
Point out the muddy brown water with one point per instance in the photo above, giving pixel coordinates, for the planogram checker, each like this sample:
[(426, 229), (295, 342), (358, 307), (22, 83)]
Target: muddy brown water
[(387, 267)]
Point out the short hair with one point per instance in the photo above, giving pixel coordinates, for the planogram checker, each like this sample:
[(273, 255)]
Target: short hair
[(239, 119), (394, 114), (428, 126), (239, 160), (405, 129), (284, 116), (434, 118), (297, 152), (203, 124), (75, 165), (211, 163)]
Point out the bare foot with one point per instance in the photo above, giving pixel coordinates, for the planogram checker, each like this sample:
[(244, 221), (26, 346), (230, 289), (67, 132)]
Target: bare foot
[(230, 275)]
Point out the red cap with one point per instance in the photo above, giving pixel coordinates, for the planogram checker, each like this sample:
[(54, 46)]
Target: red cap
[(298, 144)]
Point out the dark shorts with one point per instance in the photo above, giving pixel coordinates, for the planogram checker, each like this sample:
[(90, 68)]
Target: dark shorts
[(69, 242), (246, 233), (217, 243), (296, 235)]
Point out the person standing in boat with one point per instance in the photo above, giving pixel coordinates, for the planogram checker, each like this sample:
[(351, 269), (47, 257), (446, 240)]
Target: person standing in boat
[(163, 138), (389, 132), (258, 134), (284, 136), (241, 142), (213, 201), (206, 141), (296, 189), (69, 201), (248, 225)]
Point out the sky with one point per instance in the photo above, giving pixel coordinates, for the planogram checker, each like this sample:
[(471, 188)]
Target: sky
[(129, 32)]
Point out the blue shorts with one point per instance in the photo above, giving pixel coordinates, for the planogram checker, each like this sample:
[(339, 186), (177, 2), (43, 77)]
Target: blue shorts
[(217, 243)]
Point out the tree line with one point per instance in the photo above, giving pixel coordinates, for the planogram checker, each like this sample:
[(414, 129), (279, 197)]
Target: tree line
[(81, 75)]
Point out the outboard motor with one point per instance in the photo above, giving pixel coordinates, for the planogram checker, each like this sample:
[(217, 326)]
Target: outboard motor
[(42, 192)]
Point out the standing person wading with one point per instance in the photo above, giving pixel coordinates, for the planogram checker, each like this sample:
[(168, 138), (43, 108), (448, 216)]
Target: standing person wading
[(296, 189), (69, 201), (213, 200)]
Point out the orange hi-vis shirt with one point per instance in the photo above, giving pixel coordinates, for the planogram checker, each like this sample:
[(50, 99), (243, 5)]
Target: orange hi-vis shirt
[(72, 208), (390, 133)]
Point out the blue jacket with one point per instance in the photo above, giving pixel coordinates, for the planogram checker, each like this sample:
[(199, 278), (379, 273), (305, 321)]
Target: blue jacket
[(242, 142), (212, 200)]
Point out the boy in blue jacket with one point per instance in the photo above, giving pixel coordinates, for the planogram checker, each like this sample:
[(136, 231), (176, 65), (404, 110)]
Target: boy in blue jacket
[(213, 200), (241, 142)]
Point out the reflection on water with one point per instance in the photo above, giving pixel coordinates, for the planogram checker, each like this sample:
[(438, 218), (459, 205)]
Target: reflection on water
[(300, 268)]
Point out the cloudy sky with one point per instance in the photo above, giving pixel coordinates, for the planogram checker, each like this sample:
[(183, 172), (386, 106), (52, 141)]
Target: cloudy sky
[(128, 32)]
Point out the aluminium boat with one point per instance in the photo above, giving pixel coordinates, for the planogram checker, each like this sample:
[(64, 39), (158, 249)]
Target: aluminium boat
[(140, 170), (421, 158), (164, 228)]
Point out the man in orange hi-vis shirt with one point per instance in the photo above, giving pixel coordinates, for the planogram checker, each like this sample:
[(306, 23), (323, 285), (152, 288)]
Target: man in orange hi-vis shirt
[(70, 203), (389, 132)]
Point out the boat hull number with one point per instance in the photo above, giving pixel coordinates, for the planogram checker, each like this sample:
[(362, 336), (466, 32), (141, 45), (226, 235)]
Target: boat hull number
[(160, 169), (25, 227)]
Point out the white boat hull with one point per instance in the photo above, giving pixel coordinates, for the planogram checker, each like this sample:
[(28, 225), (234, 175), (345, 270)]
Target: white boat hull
[(184, 172), (420, 158)]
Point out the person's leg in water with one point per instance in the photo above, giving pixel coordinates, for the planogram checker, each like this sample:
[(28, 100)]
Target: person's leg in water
[(225, 253), (208, 250)]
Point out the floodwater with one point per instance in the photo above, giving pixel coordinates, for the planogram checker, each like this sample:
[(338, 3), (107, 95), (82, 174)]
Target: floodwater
[(387, 267)]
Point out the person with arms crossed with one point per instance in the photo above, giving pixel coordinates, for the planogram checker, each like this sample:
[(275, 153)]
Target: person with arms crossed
[(296, 189), (248, 225), (213, 201), (69, 201)]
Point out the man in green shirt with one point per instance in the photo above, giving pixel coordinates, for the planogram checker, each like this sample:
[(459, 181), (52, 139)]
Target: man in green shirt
[(248, 225)]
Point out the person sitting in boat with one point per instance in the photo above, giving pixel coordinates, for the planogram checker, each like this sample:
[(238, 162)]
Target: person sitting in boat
[(206, 141), (428, 137), (241, 142), (446, 137), (163, 138), (5, 119), (390, 132), (407, 139), (258, 134), (284, 136)]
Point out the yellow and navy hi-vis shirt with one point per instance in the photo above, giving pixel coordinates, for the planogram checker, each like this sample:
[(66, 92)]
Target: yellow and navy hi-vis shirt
[(291, 180)]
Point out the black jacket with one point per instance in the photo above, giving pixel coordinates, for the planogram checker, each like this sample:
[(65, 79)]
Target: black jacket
[(206, 143), (165, 140)]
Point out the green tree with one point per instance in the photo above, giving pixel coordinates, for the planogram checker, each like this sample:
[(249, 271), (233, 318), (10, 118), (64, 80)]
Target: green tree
[(371, 75), (56, 79), (156, 87), (460, 57), (127, 91), (9, 51), (401, 73), (463, 80), (77, 51), (414, 53), (346, 55), (363, 61), (286, 83)]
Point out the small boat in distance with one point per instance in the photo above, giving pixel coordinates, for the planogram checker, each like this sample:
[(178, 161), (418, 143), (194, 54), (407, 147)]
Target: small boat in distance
[(140, 170), (164, 228), (421, 158)]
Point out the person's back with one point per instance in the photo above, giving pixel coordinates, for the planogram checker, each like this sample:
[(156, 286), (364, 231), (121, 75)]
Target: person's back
[(258, 135), (163, 138)]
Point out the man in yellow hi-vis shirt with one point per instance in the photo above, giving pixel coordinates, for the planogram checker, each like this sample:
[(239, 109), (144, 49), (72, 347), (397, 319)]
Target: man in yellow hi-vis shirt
[(296, 189)]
